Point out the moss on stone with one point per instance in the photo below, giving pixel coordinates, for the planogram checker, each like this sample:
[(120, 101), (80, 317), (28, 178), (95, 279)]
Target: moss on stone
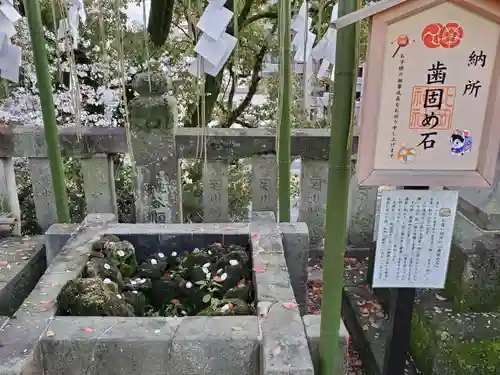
[(154, 113), (473, 284), (482, 294), (453, 288), (423, 343), (473, 358), (91, 297)]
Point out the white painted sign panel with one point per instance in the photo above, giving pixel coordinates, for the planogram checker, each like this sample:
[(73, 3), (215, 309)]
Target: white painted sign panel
[(414, 238)]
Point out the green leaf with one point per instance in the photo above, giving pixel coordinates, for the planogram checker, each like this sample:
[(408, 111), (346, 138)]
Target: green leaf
[(207, 298), (201, 282)]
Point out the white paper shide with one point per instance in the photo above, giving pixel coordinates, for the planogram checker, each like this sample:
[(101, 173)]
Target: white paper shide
[(303, 39), (215, 45), (69, 26), (325, 50), (414, 238), (10, 55)]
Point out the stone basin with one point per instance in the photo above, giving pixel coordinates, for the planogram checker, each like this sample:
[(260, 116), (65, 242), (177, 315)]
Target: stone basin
[(274, 341)]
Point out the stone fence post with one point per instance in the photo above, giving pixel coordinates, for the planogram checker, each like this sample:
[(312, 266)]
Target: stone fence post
[(153, 120)]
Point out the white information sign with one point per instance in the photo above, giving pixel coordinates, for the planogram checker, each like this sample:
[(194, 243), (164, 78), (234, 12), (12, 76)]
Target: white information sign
[(414, 238)]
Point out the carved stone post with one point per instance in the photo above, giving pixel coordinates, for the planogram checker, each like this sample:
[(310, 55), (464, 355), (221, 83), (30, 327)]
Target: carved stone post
[(153, 118)]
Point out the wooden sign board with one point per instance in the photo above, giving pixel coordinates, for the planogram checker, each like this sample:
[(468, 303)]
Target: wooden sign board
[(431, 97)]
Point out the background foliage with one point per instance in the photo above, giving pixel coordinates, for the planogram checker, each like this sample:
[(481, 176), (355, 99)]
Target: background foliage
[(112, 50)]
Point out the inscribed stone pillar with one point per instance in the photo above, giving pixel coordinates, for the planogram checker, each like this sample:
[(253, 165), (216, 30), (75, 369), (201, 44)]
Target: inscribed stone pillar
[(153, 117), (362, 211), (313, 190), (9, 201)]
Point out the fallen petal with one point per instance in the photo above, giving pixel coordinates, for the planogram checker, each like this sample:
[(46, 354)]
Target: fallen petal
[(290, 305)]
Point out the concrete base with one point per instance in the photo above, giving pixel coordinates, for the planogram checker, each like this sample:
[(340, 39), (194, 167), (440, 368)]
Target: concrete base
[(153, 346), (22, 265), (277, 341), (41, 342)]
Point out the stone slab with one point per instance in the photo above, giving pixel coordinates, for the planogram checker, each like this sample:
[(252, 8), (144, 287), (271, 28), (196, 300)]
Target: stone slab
[(130, 346), (480, 206), (296, 247), (55, 239), (473, 269), (28, 141), (312, 323), (224, 345), (284, 348), (22, 263)]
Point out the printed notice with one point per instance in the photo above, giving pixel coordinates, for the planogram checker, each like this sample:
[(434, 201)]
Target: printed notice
[(414, 238)]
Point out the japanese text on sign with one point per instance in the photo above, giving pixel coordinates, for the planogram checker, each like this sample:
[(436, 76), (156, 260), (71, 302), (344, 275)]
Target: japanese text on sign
[(414, 238), (436, 83)]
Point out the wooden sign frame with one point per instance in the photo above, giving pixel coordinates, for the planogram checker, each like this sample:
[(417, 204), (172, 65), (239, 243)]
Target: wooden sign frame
[(484, 175)]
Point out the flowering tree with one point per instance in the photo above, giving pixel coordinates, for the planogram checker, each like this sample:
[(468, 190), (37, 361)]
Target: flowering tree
[(88, 83), (90, 77)]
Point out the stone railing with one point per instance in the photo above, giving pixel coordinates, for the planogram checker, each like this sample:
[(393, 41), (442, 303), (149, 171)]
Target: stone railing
[(157, 156)]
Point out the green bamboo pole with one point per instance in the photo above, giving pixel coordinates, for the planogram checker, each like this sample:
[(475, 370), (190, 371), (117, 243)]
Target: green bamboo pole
[(284, 120), (44, 83), (346, 62)]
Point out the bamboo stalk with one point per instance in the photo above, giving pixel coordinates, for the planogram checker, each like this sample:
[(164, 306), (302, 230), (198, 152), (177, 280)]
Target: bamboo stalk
[(338, 190), (284, 118), (44, 83)]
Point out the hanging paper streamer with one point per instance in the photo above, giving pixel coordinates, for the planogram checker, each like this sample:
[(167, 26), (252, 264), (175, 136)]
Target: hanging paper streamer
[(10, 55), (215, 45), (70, 25), (325, 50), (303, 39)]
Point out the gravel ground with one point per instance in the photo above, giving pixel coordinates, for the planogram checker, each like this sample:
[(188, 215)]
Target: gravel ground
[(315, 286)]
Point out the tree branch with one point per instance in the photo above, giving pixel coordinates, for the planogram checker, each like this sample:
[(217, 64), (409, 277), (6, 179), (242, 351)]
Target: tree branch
[(254, 82), (260, 16), (232, 90), (190, 22), (245, 11), (184, 32)]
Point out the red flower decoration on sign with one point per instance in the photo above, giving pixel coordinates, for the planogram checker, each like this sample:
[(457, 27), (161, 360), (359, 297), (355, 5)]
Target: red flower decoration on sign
[(437, 35), (451, 35), (430, 35), (403, 40)]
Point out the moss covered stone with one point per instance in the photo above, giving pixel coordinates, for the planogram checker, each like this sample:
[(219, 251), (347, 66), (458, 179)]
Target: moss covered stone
[(122, 255), (448, 343), (91, 297), (209, 281), (473, 278), (480, 357), (423, 343)]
